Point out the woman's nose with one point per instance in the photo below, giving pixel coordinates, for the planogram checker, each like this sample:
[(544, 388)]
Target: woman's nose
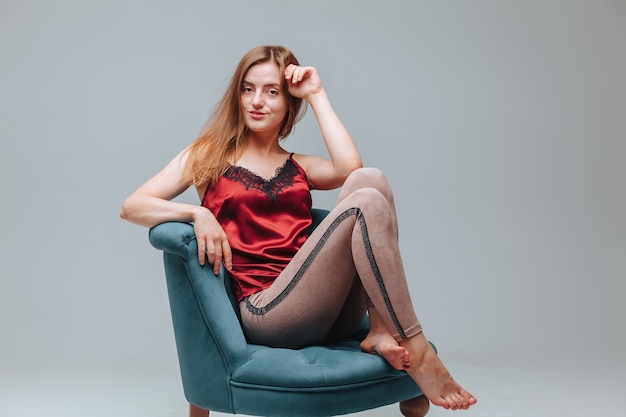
[(256, 100)]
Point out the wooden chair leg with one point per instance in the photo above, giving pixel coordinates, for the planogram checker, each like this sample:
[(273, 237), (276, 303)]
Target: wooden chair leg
[(197, 411), (415, 407)]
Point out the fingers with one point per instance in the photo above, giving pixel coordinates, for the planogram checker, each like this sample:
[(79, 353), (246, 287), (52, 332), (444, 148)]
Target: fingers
[(212, 242), (201, 250), (227, 256), (295, 73), (216, 252), (215, 256)]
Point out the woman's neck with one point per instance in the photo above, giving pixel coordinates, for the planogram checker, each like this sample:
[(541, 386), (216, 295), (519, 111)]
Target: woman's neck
[(262, 146)]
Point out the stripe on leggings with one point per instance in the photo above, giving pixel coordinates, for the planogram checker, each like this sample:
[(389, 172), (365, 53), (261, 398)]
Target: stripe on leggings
[(355, 211)]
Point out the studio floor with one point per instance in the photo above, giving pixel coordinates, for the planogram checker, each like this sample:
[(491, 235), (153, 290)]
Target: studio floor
[(506, 386)]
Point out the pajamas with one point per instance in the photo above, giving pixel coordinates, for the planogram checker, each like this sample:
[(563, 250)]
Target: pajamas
[(349, 262)]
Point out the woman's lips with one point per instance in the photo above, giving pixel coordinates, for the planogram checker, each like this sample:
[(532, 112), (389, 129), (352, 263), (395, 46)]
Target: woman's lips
[(256, 115)]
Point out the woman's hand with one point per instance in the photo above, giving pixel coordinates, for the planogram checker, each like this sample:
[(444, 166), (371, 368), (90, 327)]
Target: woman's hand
[(303, 82), (211, 240)]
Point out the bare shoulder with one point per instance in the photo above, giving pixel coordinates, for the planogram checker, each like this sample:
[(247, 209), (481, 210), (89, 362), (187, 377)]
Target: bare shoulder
[(179, 160)]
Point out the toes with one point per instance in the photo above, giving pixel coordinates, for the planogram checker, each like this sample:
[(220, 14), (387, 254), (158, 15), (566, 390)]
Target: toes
[(453, 405), (453, 402), (406, 362), (467, 399), (461, 402), (445, 404)]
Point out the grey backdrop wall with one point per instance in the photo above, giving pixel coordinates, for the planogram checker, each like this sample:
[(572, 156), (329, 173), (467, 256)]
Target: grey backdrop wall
[(501, 126)]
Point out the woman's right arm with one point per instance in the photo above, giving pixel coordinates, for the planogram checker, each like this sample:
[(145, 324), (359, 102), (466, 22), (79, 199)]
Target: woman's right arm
[(151, 204)]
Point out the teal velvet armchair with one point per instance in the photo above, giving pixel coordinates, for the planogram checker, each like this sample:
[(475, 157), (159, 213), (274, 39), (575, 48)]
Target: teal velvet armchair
[(221, 371)]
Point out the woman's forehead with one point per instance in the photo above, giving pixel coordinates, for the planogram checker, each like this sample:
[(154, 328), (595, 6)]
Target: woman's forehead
[(264, 73)]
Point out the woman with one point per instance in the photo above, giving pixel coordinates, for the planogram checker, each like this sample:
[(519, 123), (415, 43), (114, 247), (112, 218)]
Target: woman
[(295, 289)]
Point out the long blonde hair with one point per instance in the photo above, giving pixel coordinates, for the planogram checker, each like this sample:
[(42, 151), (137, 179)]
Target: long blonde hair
[(225, 131)]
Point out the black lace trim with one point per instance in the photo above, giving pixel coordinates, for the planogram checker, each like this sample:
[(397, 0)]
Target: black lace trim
[(272, 187)]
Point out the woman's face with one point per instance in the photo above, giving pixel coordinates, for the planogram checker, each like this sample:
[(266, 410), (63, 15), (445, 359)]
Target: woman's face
[(263, 101)]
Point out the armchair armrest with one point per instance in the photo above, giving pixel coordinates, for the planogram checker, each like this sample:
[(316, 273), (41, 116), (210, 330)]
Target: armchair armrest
[(174, 237)]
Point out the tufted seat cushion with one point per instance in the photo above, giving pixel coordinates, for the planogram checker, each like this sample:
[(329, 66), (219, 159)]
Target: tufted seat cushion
[(320, 368)]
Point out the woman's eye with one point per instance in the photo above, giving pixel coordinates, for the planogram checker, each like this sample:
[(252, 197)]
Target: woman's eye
[(273, 92), (246, 89)]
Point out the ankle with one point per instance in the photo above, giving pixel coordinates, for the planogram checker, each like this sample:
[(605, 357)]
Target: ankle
[(418, 346)]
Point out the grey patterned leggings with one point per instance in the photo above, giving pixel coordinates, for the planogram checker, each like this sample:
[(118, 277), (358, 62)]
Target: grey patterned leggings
[(351, 257)]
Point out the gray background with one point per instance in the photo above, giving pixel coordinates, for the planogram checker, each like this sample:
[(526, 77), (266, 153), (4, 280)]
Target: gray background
[(500, 124)]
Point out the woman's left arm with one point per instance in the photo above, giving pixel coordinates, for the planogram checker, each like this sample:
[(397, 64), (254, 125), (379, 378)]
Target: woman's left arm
[(304, 82)]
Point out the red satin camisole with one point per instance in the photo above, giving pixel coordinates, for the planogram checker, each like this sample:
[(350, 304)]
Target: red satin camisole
[(265, 221)]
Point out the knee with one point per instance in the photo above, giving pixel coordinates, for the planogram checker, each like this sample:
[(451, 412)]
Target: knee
[(369, 178), (370, 200)]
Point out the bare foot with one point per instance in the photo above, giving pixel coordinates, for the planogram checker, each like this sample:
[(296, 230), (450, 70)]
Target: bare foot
[(383, 344), (433, 378)]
